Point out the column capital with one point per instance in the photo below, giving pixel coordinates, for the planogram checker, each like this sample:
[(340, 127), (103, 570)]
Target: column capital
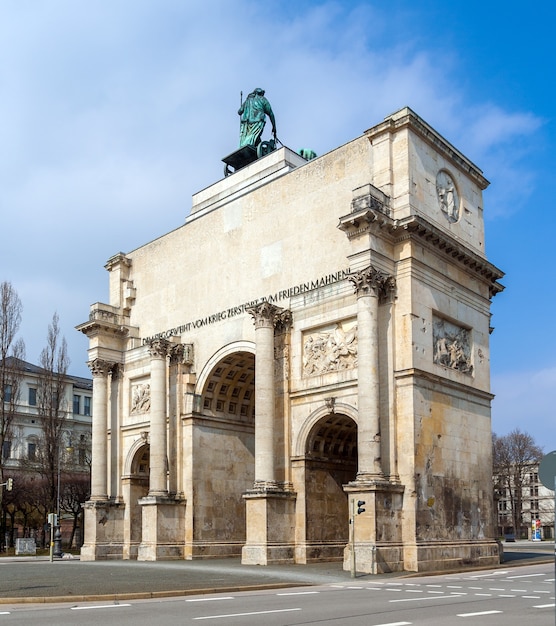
[(265, 315), (159, 348), (100, 368), (181, 354), (373, 282)]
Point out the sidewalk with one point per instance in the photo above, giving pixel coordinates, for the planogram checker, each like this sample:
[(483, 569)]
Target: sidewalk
[(36, 579)]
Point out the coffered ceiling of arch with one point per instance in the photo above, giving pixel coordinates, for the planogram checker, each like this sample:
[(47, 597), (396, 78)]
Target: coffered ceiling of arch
[(230, 388)]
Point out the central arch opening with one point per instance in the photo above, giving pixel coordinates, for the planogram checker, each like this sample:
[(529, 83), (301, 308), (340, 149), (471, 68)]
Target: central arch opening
[(224, 449)]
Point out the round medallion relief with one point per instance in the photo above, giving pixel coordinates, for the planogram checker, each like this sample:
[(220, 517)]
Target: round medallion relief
[(448, 197)]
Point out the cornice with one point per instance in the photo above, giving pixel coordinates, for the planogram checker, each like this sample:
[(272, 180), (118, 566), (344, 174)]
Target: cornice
[(407, 118), (416, 227), (92, 328), (466, 391)]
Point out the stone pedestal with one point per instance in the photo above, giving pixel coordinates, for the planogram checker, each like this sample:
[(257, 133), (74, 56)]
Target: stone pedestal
[(376, 532), (270, 521), (163, 529), (104, 521)]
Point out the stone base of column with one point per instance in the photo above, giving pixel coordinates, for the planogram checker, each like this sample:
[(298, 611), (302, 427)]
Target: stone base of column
[(446, 556), (270, 523), (319, 551), (377, 531), (163, 529), (104, 530)]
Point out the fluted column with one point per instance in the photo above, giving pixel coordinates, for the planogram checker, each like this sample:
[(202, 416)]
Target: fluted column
[(99, 462), (158, 485), (370, 284), (264, 318)]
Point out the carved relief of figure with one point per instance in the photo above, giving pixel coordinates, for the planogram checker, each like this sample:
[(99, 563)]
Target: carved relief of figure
[(451, 346), (447, 196), (329, 351), (140, 398)]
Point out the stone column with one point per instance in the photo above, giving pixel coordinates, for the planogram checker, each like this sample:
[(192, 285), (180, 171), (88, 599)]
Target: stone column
[(369, 286), (158, 484), (264, 316), (103, 517), (99, 460), (270, 506)]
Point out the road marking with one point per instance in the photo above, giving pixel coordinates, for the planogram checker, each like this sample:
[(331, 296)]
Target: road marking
[(532, 597), (495, 589), (478, 614), (537, 591), (100, 606), (506, 595), (396, 624), (4, 613), (297, 593), (210, 599), (525, 576), (488, 595), (453, 586), (544, 606), (428, 598), (245, 614)]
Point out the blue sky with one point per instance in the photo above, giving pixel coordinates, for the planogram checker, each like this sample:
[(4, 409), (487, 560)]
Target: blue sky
[(114, 112)]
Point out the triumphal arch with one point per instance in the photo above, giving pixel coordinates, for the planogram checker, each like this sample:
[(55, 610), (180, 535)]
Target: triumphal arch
[(314, 336)]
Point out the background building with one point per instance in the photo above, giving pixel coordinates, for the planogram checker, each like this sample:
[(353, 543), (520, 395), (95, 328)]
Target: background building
[(315, 335), (26, 458), (535, 506)]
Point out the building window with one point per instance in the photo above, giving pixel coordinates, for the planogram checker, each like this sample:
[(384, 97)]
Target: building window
[(32, 396), (6, 450), (87, 405), (31, 451), (76, 404), (7, 393)]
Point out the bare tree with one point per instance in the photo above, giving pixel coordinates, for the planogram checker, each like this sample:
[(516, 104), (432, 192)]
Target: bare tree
[(52, 408), (75, 491), (513, 456), (12, 353)]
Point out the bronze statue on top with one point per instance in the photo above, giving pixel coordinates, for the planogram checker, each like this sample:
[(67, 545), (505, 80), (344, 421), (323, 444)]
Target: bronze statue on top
[(253, 114)]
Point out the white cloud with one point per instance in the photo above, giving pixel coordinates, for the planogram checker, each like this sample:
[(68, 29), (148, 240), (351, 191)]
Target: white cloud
[(114, 113)]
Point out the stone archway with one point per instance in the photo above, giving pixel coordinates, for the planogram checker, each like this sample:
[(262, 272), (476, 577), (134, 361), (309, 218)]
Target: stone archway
[(224, 454), (136, 483), (330, 462)]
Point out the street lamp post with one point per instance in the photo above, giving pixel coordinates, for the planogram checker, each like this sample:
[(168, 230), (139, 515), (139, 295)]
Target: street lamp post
[(58, 533)]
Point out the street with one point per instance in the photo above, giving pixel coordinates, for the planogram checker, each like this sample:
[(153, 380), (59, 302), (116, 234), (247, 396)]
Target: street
[(504, 596)]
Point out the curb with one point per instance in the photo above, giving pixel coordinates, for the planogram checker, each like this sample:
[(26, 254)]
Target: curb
[(149, 595)]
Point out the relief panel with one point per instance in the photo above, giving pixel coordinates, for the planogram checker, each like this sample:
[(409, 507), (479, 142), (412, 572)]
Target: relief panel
[(330, 348), (452, 345)]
